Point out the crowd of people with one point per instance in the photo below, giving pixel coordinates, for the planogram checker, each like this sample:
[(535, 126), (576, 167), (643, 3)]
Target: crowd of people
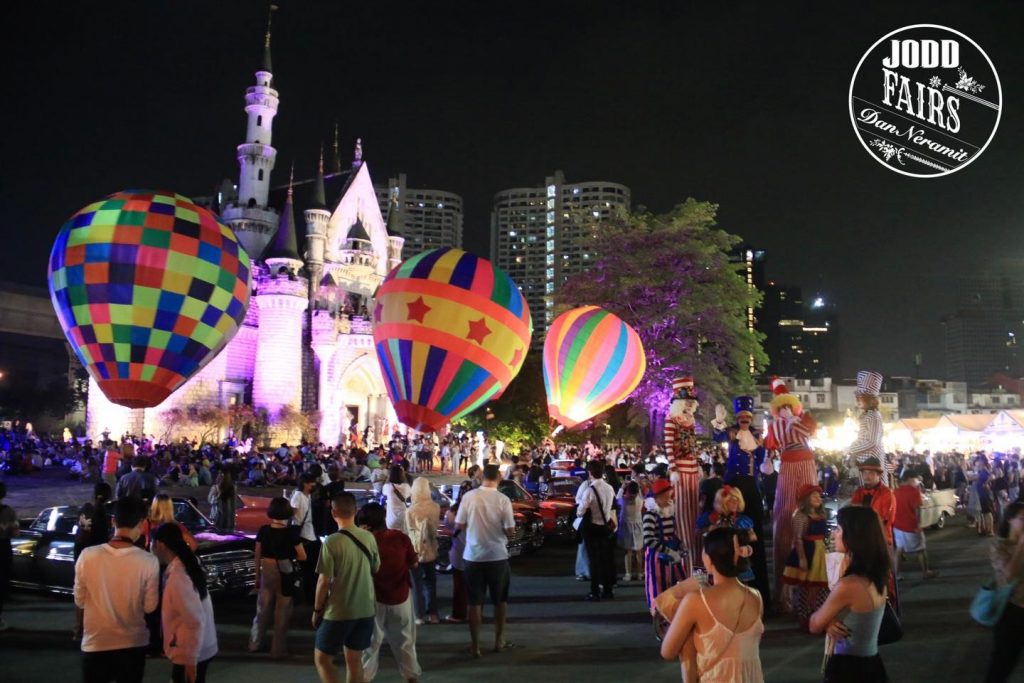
[(374, 581)]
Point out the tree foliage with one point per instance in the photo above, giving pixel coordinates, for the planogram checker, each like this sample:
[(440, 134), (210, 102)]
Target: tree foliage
[(669, 277), (520, 416)]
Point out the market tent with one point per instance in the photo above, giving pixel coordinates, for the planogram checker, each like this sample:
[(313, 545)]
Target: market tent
[(915, 424), (1006, 430), (966, 423)]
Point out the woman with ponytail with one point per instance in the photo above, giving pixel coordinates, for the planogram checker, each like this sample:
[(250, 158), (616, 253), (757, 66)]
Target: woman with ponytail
[(190, 635)]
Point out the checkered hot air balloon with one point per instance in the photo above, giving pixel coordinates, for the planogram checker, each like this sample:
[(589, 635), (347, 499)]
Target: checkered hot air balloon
[(451, 331), (592, 361), (149, 288)]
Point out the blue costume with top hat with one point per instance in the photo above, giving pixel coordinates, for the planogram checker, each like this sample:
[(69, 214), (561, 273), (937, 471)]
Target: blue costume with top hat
[(743, 470), (744, 447)]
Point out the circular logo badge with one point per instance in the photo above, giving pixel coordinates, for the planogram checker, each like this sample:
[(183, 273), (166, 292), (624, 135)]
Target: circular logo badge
[(925, 101)]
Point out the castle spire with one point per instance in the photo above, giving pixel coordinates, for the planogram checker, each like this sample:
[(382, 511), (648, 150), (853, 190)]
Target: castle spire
[(336, 155), (393, 226), (267, 65), (285, 246), (359, 153), (318, 200)]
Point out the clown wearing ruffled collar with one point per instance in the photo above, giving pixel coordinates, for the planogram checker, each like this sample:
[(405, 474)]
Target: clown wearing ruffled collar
[(681, 448)]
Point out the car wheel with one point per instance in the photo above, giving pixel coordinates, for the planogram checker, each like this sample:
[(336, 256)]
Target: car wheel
[(941, 523)]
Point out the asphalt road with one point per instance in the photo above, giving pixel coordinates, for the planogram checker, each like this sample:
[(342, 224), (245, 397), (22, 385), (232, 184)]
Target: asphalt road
[(558, 636)]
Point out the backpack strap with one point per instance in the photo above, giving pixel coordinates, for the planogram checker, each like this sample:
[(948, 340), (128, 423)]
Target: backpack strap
[(351, 536)]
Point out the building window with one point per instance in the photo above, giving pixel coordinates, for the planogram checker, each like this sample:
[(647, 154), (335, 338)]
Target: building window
[(260, 176), (259, 120), (819, 398)]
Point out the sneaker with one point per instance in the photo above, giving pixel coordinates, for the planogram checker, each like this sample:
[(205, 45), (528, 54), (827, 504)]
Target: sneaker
[(626, 578), (932, 574), (580, 577)]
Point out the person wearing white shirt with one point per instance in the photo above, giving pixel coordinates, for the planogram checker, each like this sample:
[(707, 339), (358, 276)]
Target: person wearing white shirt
[(302, 517), (117, 584), (397, 492), (485, 517), (598, 529), (190, 634)]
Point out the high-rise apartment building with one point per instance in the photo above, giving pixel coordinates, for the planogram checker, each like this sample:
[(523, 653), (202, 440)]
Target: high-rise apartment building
[(983, 335), (801, 336), (428, 219), (538, 236)]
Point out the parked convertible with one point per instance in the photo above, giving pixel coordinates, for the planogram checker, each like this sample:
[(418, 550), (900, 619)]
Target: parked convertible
[(44, 551)]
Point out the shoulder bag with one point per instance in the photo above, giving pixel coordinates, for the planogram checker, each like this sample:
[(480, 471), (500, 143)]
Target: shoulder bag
[(352, 537), (990, 602)]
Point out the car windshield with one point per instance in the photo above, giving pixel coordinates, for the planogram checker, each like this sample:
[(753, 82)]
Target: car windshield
[(514, 493), (193, 520), (63, 519), (564, 488)]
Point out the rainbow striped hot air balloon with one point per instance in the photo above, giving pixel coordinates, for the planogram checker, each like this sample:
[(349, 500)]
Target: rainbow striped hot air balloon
[(451, 331), (149, 288), (592, 360)]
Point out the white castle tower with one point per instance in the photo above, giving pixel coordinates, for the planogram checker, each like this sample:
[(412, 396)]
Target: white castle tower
[(250, 217), (281, 298)]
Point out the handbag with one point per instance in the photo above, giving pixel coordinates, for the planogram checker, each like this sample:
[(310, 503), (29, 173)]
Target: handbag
[(990, 602), (891, 630), (291, 577)]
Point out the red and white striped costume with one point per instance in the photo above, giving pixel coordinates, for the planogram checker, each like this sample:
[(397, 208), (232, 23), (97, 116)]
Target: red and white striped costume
[(684, 469), (790, 437)]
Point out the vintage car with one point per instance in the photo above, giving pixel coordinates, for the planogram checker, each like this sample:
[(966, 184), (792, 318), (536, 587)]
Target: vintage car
[(557, 505), (44, 551), (529, 534), (936, 507), (251, 511), (538, 520)]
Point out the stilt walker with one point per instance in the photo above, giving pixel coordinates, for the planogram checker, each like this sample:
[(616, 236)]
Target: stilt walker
[(681, 448), (869, 425), (788, 434)]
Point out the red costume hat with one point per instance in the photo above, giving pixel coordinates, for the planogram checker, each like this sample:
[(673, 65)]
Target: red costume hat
[(660, 486), (806, 490), (784, 398)]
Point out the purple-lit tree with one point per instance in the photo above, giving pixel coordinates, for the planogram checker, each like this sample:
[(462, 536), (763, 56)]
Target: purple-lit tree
[(670, 278)]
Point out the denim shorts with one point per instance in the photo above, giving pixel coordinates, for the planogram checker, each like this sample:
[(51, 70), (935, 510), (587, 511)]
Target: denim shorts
[(353, 634)]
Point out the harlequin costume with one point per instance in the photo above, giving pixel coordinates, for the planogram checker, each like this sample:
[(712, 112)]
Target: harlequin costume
[(789, 435), (809, 586), (882, 500), (662, 571), (869, 425), (743, 470), (681, 448)]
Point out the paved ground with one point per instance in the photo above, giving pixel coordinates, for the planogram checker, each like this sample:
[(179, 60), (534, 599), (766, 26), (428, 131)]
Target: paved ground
[(559, 637)]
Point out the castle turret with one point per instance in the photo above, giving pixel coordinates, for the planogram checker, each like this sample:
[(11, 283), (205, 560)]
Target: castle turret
[(317, 217), (249, 216), (282, 297)]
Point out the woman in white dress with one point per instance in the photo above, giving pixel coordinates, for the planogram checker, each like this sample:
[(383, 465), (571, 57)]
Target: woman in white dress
[(631, 529), (724, 620), (397, 492)]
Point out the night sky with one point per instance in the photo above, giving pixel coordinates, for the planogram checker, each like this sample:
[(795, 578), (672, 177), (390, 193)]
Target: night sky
[(746, 106)]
